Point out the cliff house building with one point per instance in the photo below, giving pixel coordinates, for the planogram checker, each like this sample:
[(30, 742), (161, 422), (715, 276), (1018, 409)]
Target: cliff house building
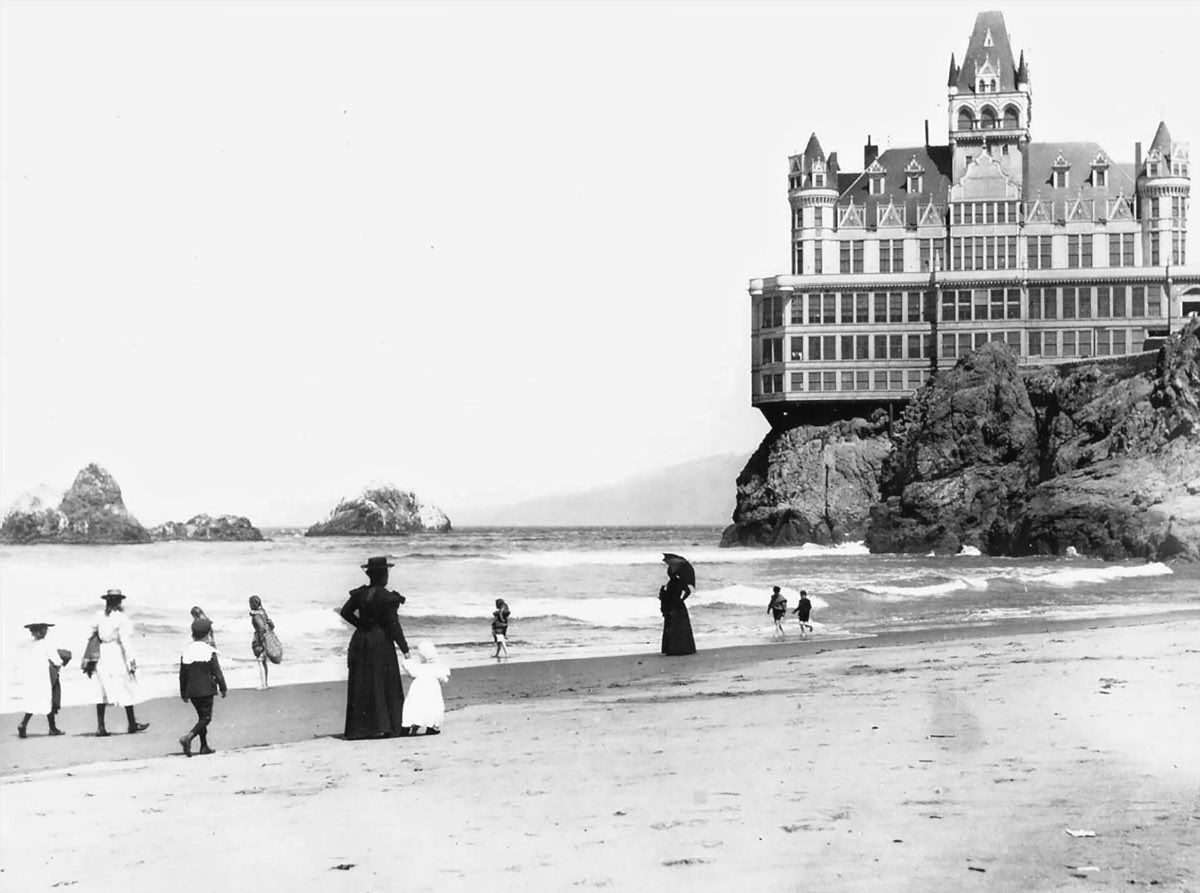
[(1056, 249)]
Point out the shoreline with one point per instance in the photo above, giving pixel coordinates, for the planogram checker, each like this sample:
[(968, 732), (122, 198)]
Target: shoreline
[(292, 713)]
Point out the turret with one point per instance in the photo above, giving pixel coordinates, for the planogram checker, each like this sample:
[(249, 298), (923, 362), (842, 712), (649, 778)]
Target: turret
[(1163, 188), (812, 192)]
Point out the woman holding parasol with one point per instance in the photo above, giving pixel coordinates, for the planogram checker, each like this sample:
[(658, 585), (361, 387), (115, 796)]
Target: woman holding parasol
[(677, 626)]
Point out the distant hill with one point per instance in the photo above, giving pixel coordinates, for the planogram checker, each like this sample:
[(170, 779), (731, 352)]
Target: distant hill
[(700, 492)]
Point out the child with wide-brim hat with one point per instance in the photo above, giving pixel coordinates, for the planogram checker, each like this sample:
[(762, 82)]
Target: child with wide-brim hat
[(41, 692)]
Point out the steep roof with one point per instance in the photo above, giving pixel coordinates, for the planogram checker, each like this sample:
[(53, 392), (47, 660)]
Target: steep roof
[(989, 42), (935, 162), (1162, 139), (1078, 157), (813, 150)]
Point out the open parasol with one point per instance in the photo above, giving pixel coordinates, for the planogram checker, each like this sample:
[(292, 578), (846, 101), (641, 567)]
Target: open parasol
[(681, 567)]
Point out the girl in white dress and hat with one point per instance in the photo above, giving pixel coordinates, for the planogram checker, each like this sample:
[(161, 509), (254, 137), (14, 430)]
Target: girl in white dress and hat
[(115, 668), (423, 705), (40, 665)]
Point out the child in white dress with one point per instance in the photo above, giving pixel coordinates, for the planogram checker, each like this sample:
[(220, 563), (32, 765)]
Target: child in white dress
[(423, 705)]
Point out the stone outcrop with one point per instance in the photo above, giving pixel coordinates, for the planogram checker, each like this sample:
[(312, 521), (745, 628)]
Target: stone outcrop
[(382, 511), (222, 529), (810, 484), (91, 511), (1101, 457)]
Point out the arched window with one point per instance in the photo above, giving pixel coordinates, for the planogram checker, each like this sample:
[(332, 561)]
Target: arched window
[(987, 118), (966, 121), (1012, 118)]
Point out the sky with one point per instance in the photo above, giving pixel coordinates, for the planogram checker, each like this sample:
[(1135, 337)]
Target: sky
[(254, 256)]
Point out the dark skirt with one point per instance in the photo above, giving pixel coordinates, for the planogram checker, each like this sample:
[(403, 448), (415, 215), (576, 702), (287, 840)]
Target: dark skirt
[(374, 693), (677, 631)]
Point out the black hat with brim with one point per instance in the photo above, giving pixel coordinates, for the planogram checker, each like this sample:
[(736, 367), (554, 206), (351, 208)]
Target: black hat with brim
[(113, 594), (377, 562), (32, 626)]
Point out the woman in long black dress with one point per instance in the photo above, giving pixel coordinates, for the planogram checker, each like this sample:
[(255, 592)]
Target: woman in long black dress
[(374, 693), (677, 626)]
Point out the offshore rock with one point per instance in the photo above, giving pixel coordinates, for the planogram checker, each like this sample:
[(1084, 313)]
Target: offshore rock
[(1101, 457), (382, 511), (33, 518), (222, 529), (92, 512), (810, 484)]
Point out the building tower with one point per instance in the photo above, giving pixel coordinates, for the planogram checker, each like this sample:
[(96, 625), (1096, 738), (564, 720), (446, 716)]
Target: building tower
[(1163, 188), (812, 193), (990, 100)]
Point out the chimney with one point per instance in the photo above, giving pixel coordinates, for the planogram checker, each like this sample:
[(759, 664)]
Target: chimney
[(926, 133), (1137, 159), (870, 152)]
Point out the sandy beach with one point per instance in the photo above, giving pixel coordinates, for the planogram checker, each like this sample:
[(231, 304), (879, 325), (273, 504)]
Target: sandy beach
[(947, 760)]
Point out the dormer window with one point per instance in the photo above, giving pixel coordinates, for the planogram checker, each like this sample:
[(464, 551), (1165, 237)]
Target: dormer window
[(875, 185), (818, 180), (1100, 178), (1060, 178), (1152, 169), (916, 183)]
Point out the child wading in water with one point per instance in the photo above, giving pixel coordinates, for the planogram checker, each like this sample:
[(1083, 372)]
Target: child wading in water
[(200, 678), (777, 609), (802, 611), (500, 627), (424, 706)]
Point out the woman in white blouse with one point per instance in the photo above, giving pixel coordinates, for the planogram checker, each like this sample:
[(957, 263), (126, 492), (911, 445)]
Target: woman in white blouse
[(115, 668)]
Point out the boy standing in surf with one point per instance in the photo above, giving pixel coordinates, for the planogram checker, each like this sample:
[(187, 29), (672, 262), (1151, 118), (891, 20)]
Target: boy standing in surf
[(777, 609), (803, 611), (500, 627)]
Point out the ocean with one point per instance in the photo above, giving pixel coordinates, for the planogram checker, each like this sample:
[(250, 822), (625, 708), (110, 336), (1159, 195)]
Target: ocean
[(573, 592)]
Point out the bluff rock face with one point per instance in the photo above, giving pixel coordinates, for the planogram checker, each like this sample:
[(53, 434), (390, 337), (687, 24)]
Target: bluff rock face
[(1102, 457), (225, 528), (810, 484), (91, 511), (381, 511)]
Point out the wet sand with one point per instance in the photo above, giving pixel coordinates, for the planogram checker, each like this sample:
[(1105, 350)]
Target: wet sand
[(931, 760)]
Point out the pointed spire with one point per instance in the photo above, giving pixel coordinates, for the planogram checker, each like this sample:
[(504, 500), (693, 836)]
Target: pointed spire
[(1022, 70), (950, 81), (1162, 139), (988, 45), (813, 150)]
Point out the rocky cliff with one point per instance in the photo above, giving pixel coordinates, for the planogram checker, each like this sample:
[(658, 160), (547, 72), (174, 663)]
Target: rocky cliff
[(381, 511), (810, 484), (1100, 456), (225, 528), (91, 511)]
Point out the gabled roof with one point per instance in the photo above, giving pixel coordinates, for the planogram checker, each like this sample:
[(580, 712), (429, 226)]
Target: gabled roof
[(989, 43), (936, 162), (1078, 158)]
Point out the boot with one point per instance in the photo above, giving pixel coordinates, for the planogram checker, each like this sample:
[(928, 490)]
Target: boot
[(186, 741), (101, 732), (54, 729), (134, 725), (24, 723)]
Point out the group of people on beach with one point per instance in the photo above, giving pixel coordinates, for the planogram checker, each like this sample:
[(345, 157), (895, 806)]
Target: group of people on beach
[(110, 662), (376, 703)]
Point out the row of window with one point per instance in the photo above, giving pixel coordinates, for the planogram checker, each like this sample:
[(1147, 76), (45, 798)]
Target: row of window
[(962, 305), (1041, 342), (967, 253), (1101, 301), (1056, 344), (844, 380)]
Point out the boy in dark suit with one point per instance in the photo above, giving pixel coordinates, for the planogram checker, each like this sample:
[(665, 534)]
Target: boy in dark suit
[(200, 678)]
